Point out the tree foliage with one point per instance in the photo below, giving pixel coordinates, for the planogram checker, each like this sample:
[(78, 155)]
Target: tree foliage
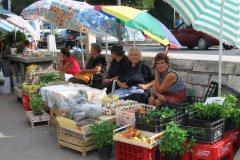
[(140, 4), (18, 5), (163, 12)]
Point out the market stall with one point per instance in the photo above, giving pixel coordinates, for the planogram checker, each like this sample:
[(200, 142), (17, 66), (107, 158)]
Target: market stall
[(22, 62)]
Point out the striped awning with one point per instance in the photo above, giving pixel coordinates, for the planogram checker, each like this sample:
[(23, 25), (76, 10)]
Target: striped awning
[(204, 15), (4, 25)]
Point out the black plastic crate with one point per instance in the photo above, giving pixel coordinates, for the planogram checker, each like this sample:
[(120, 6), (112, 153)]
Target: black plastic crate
[(202, 130), (229, 125), (194, 99), (156, 125), (180, 107)]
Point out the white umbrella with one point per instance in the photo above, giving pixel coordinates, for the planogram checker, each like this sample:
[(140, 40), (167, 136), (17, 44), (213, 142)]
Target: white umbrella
[(20, 23), (218, 18)]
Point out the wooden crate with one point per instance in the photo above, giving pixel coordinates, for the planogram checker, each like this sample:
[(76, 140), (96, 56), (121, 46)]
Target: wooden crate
[(75, 141), (153, 139), (85, 130), (38, 121), (54, 112)]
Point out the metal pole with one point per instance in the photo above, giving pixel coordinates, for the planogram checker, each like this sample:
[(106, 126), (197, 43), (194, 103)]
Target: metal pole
[(119, 26), (119, 2), (134, 39), (81, 43), (174, 17), (220, 51), (106, 46)]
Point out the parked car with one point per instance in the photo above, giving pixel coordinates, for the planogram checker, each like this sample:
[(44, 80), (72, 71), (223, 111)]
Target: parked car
[(43, 40), (68, 37), (192, 38), (64, 38), (110, 40)]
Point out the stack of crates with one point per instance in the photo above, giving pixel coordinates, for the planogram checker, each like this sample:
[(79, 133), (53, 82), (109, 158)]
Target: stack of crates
[(126, 151), (221, 149)]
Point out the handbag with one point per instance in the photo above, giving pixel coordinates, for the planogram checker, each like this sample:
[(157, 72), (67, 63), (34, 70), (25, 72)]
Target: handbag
[(84, 76)]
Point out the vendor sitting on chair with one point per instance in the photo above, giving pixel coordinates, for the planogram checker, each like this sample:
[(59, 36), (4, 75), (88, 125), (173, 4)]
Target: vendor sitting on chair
[(168, 87), (117, 66), (68, 64), (94, 68), (136, 79)]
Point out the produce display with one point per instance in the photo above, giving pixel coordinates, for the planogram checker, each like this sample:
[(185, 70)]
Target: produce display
[(31, 87), (50, 77), (155, 120), (213, 111), (109, 108), (164, 112), (133, 134), (36, 103), (109, 99)]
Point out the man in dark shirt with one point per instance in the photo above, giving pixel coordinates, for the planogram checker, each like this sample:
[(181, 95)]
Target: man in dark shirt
[(119, 62), (95, 65), (97, 62)]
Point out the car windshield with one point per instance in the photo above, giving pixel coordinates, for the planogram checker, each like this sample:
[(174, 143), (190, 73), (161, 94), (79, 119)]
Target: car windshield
[(72, 32), (46, 34)]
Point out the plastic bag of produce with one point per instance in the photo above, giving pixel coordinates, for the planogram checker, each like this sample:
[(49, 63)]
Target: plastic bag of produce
[(92, 110), (79, 116), (72, 109), (66, 123), (96, 95), (31, 69), (85, 122)]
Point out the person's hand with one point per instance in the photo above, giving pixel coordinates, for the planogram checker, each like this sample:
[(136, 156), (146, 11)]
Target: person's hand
[(122, 85), (142, 86), (83, 70), (61, 57), (106, 81), (156, 73), (161, 97)]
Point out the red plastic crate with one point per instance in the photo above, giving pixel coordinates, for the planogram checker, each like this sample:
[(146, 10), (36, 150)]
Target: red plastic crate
[(221, 149), (25, 102), (238, 141), (235, 135), (126, 151), (186, 156)]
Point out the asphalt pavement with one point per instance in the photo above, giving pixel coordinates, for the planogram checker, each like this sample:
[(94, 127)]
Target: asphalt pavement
[(18, 141)]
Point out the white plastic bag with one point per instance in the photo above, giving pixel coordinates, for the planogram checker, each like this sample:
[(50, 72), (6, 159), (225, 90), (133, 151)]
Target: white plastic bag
[(92, 110)]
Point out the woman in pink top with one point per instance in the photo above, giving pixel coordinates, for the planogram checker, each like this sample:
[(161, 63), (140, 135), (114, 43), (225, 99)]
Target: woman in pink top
[(68, 64)]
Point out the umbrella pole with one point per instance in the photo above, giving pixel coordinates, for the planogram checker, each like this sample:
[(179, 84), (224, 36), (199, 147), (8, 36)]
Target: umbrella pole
[(220, 51), (81, 43), (15, 35), (106, 46), (134, 39)]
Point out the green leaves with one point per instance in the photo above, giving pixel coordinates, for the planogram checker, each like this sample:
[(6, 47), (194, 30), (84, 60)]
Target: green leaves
[(164, 112), (175, 140), (229, 110), (102, 133), (211, 111), (50, 77), (36, 102)]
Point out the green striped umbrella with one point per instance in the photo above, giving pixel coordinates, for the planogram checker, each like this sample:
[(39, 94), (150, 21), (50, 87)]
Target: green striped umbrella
[(218, 18)]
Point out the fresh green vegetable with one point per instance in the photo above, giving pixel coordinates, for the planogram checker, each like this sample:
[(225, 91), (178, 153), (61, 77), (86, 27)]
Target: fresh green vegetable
[(36, 102), (102, 133), (50, 77), (163, 113), (211, 111), (175, 140)]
